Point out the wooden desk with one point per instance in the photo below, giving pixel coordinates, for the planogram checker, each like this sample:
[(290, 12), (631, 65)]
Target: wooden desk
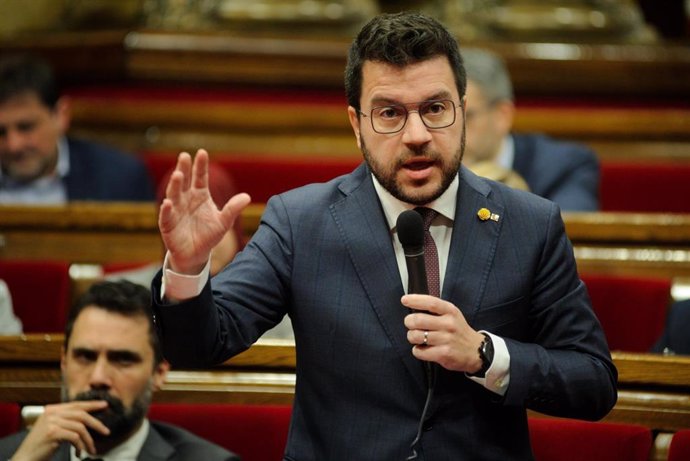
[(613, 243), (653, 390), (84, 232)]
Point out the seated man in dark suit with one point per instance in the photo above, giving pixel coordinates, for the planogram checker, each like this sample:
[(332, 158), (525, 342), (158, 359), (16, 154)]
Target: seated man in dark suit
[(675, 338), (564, 172), (38, 163), (111, 364)]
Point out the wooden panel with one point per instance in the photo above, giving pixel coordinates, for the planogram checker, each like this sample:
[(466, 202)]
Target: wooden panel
[(654, 390), (614, 243), (229, 125)]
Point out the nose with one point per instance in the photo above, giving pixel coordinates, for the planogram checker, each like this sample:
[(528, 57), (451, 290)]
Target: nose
[(100, 377), (12, 140), (415, 132)]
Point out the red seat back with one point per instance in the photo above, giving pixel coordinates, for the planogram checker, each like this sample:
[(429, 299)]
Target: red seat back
[(260, 176), (10, 418), (660, 187), (679, 450), (573, 440), (41, 293), (632, 310), (255, 432)]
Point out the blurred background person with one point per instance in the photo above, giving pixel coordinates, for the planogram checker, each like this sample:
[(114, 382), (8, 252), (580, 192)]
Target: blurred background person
[(675, 339), (9, 323), (39, 163), (564, 172)]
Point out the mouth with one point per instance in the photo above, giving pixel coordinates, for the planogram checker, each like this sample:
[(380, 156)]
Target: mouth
[(419, 168)]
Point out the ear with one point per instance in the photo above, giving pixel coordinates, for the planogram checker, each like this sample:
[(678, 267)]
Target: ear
[(354, 122), (63, 113), (160, 374), (505, 114), (63, 365)]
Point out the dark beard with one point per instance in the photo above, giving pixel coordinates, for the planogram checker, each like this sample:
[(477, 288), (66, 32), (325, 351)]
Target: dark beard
[(120, 420), (385, 175)]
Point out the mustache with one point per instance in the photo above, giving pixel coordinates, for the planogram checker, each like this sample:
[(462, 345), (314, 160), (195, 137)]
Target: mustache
[(115, 405)]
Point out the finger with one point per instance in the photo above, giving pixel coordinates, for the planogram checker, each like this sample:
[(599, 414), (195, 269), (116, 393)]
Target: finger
[(234, 207), (419, 337), (200, 170), (184, 166), (173, 190), (423, 321), (427, 303)]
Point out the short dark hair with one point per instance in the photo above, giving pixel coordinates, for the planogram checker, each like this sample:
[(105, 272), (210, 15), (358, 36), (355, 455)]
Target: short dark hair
[(400, 39), (24, 73), (121, 297)]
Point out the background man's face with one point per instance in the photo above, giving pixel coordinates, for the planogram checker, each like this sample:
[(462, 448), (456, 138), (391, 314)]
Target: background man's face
[(488, 122), (29, 132), (110, 356)]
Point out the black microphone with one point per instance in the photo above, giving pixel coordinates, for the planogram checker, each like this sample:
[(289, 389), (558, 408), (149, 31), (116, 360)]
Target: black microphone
[(410, 227)]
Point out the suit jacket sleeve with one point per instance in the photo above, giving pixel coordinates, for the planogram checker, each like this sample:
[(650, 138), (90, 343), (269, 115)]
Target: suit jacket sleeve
[(565, 368)]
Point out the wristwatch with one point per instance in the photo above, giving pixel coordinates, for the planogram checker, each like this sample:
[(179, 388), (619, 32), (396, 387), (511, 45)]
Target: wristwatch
[(486, 354)]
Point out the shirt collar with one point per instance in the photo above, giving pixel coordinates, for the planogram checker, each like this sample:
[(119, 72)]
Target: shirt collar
[(392, 207), (126, 451), (62, 167), (506, 156)]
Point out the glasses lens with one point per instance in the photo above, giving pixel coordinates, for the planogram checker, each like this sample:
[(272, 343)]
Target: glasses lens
[(434, 114), (388, 119), (437, 114)]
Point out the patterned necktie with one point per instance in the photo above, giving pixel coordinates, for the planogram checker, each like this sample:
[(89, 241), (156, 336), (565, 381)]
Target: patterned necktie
[(433, 276)]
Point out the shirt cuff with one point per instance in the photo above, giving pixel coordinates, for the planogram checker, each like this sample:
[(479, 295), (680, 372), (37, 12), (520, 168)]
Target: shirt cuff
[(497, 376), (177, 287)]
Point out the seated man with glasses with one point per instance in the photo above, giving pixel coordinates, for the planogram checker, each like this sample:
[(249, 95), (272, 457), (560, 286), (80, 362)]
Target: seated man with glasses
[(564, 172)]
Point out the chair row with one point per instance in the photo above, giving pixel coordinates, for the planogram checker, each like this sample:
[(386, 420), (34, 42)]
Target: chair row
[(260, 432), (632, 310), (632, 187)]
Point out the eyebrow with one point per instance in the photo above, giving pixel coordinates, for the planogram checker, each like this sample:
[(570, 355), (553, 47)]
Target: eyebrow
[(113, 355), (376, 101)]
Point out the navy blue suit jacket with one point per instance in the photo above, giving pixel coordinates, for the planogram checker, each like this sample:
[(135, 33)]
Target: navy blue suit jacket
[(323, 255), (98, 172), (164, 442), (675, 335), (564, 172)]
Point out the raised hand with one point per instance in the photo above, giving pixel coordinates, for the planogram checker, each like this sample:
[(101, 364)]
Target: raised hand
[(190, 222)]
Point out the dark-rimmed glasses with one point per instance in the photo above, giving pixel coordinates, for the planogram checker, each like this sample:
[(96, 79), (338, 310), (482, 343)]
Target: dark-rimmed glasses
[(390, 119)]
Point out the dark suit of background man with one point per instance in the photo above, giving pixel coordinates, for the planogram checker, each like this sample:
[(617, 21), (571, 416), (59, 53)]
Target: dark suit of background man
[(111, 364), (562, 171), (38, 163), (328, 256)]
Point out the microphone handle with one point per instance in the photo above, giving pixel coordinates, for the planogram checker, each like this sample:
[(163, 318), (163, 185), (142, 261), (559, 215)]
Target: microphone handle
[(416, 272)]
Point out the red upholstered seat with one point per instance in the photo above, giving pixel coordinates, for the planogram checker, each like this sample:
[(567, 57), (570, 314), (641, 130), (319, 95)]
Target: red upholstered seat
[(10, 418), (261, 176), (41, 293), (645, 187), (679, 450), (572, 440), (255, 432), (632, 310)]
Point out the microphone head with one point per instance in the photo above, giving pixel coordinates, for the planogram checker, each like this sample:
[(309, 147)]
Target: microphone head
[(410, 227)]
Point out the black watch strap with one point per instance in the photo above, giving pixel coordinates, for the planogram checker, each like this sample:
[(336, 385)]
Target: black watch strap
[(486, 354)]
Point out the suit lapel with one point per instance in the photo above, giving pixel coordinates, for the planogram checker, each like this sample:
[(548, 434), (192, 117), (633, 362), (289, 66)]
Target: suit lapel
[(473, 244), (155, 447), (364, 230)]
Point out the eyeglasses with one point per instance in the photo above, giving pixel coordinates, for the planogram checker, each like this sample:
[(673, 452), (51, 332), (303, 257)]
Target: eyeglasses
[(435, 114)]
